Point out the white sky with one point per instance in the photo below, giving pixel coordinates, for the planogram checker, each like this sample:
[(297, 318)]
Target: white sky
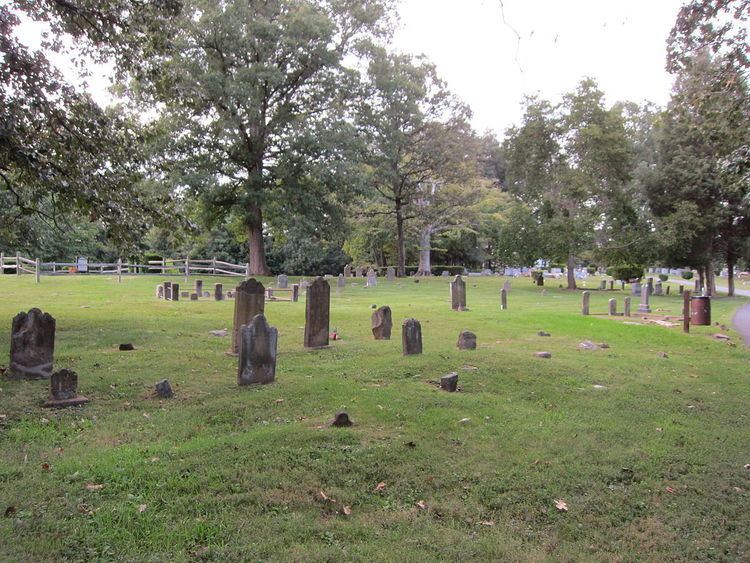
[(620, 43)]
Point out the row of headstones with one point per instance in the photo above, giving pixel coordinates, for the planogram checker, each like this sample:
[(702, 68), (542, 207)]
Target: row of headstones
[(358, 272), (170, 291), (643, 306)]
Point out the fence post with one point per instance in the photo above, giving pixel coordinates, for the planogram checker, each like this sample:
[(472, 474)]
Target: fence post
[(686, 311), (247, 270), (163, 266), (2, 263), (38, 269), (18, 262), (213, 264), (119, 270), (187, 269)]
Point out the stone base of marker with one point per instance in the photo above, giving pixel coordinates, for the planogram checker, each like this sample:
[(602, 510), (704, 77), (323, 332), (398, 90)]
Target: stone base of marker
[(467, 341), (411, 337), (341, 420), (449, 382), (164, 389), (382, 323), (64, 390), (258, 346)]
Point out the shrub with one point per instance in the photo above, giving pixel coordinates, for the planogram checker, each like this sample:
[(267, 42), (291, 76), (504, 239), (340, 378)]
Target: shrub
[(663, 277), (687, 275), (626, 272)]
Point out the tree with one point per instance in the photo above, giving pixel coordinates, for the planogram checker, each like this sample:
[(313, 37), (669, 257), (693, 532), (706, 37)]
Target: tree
[(411, 124), (255, 95)]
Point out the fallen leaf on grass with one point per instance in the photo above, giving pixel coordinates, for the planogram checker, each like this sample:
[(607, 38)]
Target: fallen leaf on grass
[(45, 466), (346, 511), (10, 511), (464, 420), (670, 490), (380, 487), (561, 505), (747, 466), (277, 401), (421, 505), (142, 508), (94, 487), (488, 523)]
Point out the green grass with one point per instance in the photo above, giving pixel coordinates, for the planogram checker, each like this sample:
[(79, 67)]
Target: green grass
[(228, 473)]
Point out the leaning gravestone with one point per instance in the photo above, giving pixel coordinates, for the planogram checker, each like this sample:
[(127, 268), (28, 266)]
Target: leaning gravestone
[(250, 300), (372, 278), (341, 282), (317, 314), (382, 323), (32, 345), (586, 296), (390, 273), (257, 362), (467, 341), (458, 294), (63, 386), (643, 306), (282, 281), (411, 337)]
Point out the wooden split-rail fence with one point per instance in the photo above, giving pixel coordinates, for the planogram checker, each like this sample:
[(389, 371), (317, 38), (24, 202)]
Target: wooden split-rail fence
[(20, 265)]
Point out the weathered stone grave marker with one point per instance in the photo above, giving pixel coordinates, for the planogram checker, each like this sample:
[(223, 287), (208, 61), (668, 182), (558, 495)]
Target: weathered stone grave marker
[(282, 281), (32, 345), (467, 340), (198, 288), (458, 294), (218, 292), (258, 345), (503, 299), (390, 273), (317, 314), (613, 307), (585, 296), (643, 306), (372, 278), (64, 390), (449, 382), (341, 282), (382, 323), (250, 300), (411, 337), (626, 306)]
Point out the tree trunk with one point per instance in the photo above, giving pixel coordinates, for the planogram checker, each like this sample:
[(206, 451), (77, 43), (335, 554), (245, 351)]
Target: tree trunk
[(400, 243), (701, 278), (710, 280), (571, 272), (256, 250), (730, 278), (425, 248)]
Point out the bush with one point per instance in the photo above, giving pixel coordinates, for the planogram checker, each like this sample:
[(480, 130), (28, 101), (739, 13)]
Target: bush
[(687, 275), (626, 272), (663, 277), (591, 270)]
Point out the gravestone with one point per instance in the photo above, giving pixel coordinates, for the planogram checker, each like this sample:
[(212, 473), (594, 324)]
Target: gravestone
[(282, 281), (467, 340), (250, 300), (445, 273), (175, 292), (503, 299), (382, 323), (32, 345), (341, 282), (63, 386), (506, 286), (458, 294), (697, 286), (317, 313), (347, 271), (341, 420), (184, 294), (160, 291), (167, 290), (626, 306), (258, 344), (682, 289), (668, 289), (643, 306), (603, 284), (449, 382), (193, 297), (295, 292), (372, 278), (206, 294), (411, 337), (164, 389), (218, 292), (586, 296), (390, 273), (650, 286), (636, 289), (198, 287), (658, 288), (613, 307), (358, 272), (611, 285)]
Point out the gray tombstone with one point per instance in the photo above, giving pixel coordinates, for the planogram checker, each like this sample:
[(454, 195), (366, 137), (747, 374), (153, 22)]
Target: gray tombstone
[(603, 284), (184, 294), (164, 389), (611, 285), (249, 301), (643, 306), (449, 382), (390, 273), (458, 294), (697, 286), (341, 282), (658, 289), (467, 340), (445, 274), (32, 345), (193, 297), (636, 289), (411, 337), (282, 281), (358, 272), (682, 289), (295, 292), (160, 291), (586, 296), (317, 314), (347, 271), (650, 285), (198, 287), (258, 344), (613, 307), (218, 292), (167, 290), (175, 292), (506, 286), (382, 323), (372, 278), (503, 299), (626, 306), (63, 386)]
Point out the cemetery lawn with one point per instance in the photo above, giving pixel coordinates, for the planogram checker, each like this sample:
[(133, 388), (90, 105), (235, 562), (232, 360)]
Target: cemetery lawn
[(646, 452)]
